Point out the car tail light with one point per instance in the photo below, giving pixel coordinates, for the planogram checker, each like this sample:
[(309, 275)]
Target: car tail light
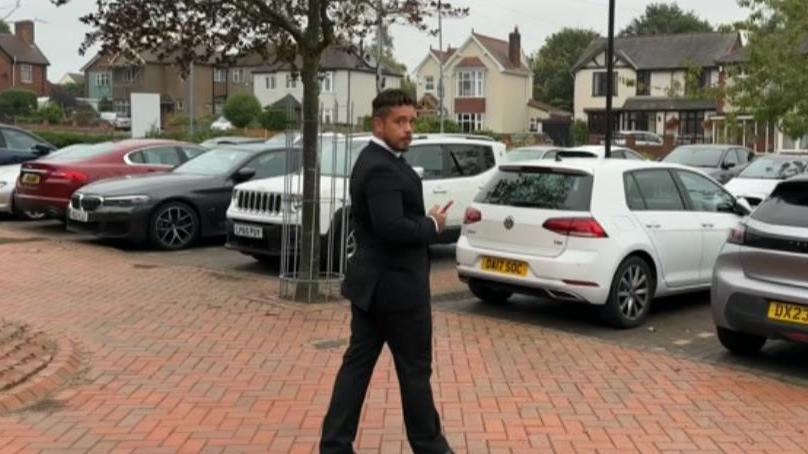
[(737, 235), (472, 215), (71, 175), (579, 227)]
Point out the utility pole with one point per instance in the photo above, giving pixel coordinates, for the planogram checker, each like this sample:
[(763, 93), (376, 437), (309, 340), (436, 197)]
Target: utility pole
[(440, 63), (379, 37), (191, 109), (609, 80)]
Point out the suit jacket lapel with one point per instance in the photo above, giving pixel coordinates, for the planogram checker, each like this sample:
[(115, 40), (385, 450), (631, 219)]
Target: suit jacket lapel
[(401, 164)]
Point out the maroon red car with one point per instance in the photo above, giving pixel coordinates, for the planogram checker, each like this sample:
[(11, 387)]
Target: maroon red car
[(47, 184)]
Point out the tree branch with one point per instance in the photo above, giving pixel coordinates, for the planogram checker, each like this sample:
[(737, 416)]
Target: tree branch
[(278, 19), (13, 10), (328, 26)]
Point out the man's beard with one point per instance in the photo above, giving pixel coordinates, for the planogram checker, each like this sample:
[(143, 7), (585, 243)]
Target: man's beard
[(396, 148)]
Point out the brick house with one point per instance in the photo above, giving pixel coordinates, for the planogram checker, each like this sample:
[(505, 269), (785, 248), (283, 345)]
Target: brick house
[(22, 64)]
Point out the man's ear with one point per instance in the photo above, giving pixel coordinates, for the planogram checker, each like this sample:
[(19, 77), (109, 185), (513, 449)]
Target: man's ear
[(378, 123)]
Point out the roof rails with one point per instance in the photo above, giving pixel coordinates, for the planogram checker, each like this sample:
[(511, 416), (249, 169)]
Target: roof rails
[(454, 136)]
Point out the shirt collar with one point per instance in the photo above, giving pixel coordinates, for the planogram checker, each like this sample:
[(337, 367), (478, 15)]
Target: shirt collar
[(384, 145)]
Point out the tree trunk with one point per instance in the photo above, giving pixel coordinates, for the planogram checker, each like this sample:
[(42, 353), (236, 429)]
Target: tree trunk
[(310, 228)]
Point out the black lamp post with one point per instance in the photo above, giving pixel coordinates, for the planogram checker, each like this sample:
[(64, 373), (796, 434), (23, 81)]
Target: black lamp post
[(609, 80)]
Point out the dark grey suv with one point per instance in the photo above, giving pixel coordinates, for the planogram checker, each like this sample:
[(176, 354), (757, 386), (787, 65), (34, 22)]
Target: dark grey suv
[(760, 280)]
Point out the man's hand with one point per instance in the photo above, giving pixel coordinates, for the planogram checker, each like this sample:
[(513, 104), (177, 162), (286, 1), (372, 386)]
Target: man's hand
[(439, 216)]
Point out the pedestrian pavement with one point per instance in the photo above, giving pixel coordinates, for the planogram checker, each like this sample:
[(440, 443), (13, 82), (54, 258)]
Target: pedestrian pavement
[(184, 359)]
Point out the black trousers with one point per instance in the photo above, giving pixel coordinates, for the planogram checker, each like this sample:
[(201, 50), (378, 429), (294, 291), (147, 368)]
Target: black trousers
[(409, 337)]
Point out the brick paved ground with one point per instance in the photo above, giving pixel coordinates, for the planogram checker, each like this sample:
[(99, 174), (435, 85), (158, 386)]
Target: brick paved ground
[(181, 359)]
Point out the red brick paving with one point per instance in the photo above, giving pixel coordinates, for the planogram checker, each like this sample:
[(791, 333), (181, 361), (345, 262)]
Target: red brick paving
[(181, 359)]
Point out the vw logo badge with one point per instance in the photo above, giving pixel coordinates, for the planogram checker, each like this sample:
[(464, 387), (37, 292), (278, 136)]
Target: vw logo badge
[(508, 223)]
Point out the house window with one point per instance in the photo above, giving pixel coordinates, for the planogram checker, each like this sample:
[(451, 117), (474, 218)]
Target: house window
[(384, 82), (327, 116), (27, 74), (691, 125), (271, 82), (471, 84), (291, 81), (327, 82), (129, 74), (237, 76), (179, 105), (102, 79), (470, 122), (220, 75), (706, 79), (600, 81), (429, 83), (535, 125), (122, 107), (643, 83)]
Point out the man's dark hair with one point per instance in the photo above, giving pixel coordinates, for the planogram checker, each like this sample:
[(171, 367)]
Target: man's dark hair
[(388, 99)]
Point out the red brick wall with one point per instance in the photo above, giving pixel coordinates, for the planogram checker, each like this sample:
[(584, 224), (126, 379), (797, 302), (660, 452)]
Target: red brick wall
[(40, 77), (469, 105)]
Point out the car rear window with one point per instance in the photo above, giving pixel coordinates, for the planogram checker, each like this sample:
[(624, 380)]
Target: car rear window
[(75, 153), (788, 205), (538, 187)]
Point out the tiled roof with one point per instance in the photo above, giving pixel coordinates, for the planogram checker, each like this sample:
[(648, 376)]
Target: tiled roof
[(499, 49), (22, 51)]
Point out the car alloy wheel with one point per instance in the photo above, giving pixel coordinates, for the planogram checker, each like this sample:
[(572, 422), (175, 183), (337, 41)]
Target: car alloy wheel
[(630, 295), (174, 226), (35, 215), (350, 244), (633, 293)]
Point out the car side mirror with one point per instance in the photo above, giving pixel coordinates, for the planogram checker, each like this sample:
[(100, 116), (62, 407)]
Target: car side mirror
[(243, 174), (419, 171), (41, 149), (728, 165)]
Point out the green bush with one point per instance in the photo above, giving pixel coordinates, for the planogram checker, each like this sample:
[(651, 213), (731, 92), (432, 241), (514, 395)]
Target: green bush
[(14, 103), (105, 105), (51, 113), (85, 115), (63, 139), (580, 133), (430, 124), (242, 109), (178, 120), (273, 120)]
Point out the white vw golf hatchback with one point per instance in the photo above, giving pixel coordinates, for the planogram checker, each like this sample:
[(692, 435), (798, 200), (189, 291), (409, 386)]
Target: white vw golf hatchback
[(614, 233)]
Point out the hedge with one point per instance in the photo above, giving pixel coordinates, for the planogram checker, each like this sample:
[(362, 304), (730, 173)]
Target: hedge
[(63, 139)]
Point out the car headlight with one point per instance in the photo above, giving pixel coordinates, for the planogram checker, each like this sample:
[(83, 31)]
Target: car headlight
[(126, 201)]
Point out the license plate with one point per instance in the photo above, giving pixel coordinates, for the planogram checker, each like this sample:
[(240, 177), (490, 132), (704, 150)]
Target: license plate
[(784, 312), (78, 215), (248, 231), (31, 178), (504, 266)]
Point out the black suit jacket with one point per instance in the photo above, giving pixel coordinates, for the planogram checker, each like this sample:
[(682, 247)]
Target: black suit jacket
[(391, 264)]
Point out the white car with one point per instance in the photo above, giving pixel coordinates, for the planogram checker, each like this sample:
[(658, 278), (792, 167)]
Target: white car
[(8, 181), (229, 140), (641, 138), (452, 167), (221, 124), (600, 152), (613, 233), (759, 178)]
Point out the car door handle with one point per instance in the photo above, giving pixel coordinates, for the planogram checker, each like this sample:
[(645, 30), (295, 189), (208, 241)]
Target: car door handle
[(653, 226), (707, 226), (439, 191)]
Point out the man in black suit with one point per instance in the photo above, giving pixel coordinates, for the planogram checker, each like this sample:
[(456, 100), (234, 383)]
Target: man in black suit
[(387, 282)]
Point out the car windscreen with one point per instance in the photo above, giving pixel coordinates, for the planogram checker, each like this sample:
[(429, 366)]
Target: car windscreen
[(80, 152), (538, 187), (524, 155), (775, 168), (214, 162), (337, 156), (695, 156), (788, 205)]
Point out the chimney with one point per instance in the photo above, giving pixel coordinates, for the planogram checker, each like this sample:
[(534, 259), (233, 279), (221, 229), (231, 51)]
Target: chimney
[(515, 47), (24, 30)]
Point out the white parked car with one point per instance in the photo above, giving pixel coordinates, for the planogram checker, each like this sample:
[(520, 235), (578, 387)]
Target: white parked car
[(613, 233), (8, 181), (452, 167), (599, 151), (759, 178), (221, 124), (229, 140), (641, 138)]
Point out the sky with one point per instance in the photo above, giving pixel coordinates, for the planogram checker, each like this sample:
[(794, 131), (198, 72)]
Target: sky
[(59, 32)]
